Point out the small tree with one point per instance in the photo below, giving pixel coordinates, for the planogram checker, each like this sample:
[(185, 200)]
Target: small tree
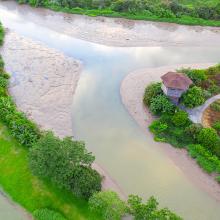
[(193, 130), (148, 210), (161, 104), (108, 205), (208, 138), (151, 92), (180, 118), (193, 97)]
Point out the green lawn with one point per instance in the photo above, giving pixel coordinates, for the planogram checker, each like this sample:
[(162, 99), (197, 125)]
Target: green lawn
[(27, 190)]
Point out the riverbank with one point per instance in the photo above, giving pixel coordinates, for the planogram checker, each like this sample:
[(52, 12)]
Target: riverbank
[(43, 84), (114, 31), (132, 91)]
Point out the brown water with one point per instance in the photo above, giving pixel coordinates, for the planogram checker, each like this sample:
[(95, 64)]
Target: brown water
[(121, 147)]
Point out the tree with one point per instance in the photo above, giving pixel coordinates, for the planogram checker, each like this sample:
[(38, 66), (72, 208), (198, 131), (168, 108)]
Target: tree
[(152, 91), (193, 130), (180, 118), (208, 138), (108, 205), (149, 210), (66, 163), (193, 97), (86, 182), (161, 104)]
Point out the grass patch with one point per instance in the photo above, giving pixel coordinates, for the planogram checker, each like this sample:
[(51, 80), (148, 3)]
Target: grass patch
[(32, 193)]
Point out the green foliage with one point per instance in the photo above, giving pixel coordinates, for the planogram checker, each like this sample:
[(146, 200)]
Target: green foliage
[(193, 130), (193, 97), (161, 104), (158, 127), (86, 182), (204, 158), (208, 137), (215, 106), (167, 11), (151, 92), (180, 118), (216, 126), (28, 190), (108, 205), (47, 214), (2, 33), (66, 163), (148, 210), (196, 75), (3, 82)]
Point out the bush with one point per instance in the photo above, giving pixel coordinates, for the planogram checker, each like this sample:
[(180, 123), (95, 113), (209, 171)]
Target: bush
[(193, 97), (197, 76), (47, 214), (180, 119), (193, 130), (63, 161), (148, 210), (161, 104), (208, 137), (151, 92), (158, 127), (204, 158), (108, 205), (214, 89), (3, 82), (216, 126)]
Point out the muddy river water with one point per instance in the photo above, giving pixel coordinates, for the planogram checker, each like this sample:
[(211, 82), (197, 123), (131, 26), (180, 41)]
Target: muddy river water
[(99, 118)]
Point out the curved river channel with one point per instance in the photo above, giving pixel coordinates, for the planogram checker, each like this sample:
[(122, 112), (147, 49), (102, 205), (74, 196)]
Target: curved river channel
[(133, 160)]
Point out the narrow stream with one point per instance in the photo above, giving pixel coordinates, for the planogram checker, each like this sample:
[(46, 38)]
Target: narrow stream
[(136, 162)]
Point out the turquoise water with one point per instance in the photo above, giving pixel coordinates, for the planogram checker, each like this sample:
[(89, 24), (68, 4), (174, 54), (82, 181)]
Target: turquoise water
[(136, 162)]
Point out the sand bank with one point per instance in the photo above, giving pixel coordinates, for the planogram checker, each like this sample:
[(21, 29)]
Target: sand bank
[(43, 84), (132, 90), (113, 31)]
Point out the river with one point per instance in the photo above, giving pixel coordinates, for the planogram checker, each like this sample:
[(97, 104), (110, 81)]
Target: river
[(99, 118)]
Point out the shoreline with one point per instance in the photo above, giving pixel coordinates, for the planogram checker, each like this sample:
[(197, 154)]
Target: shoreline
[(132, 91), (117, 32), (46, 98)]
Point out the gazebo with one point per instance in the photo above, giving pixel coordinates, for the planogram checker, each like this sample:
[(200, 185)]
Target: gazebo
[(175, 84)]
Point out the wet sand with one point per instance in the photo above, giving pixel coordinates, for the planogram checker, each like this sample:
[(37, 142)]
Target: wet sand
[(132, 91), (116, 31), (43, 84)]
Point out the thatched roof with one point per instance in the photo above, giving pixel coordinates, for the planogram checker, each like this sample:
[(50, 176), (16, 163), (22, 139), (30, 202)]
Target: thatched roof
[(176, 80)]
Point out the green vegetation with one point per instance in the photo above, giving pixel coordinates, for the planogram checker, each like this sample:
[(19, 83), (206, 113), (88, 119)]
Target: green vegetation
[(178, 11), (108, 205), (69, 164), (174, 126), (26, 189), (193, 97), (47, 214), (148, 210)]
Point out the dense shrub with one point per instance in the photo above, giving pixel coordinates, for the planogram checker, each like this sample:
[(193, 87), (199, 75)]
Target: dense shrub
[(180, 118), (161, 104), (2, 33), (66, 163), (47, 214), (148, 210), (193, 130), (86, 182), (204, 158), (193, 97), (208, 138), (151, 92), (216, 126), (197, 76), (108, 205)]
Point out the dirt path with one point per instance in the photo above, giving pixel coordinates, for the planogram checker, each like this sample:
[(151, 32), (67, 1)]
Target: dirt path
[(132, 90)]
